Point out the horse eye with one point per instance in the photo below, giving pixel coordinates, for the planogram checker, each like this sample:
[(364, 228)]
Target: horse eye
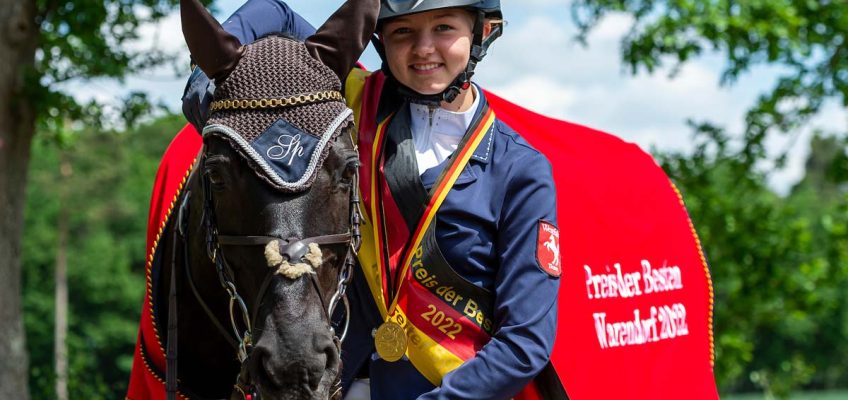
[(216, 176)]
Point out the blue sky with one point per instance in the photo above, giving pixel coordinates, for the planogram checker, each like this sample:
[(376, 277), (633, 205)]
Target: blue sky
[(538, 64)]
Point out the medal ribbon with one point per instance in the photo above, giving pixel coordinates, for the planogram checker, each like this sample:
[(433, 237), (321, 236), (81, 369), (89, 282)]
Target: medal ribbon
[(442, 331), (440, 189)]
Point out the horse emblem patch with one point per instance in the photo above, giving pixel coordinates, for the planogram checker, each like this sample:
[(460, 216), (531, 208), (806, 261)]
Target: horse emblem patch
[(547, 249)]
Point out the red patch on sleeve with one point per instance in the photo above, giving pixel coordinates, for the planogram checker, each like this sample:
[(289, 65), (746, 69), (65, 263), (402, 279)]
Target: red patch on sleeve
[(547, 249)]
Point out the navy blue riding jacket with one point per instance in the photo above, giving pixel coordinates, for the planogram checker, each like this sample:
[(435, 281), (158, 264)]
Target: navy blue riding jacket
[(488, 230)]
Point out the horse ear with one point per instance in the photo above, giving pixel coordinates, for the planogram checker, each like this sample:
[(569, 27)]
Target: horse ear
[(212, 48), (340, 41)]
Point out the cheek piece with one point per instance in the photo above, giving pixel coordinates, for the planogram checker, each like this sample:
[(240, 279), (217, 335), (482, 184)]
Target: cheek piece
[(461, 82)]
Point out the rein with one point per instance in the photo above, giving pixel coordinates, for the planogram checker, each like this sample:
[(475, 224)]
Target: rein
[(291, 249)]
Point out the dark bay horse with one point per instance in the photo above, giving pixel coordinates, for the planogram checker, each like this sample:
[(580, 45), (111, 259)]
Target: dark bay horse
[(292, 351), (258, 251)]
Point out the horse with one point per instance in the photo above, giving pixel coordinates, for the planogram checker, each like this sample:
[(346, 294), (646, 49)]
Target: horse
[(259, 249), (234, 305)]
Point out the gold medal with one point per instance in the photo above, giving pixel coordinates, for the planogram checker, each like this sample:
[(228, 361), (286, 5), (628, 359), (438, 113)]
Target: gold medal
[(390, 340)]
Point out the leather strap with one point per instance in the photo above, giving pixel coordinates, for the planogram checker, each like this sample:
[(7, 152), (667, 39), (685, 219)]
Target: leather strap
[(171, 355), (183, 221), (232, 240)]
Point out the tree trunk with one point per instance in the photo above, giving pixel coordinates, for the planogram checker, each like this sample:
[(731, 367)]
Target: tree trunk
[(61, 327), (18, 32)]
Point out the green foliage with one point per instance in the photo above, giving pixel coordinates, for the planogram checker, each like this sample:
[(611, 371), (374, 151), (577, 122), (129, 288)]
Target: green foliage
[(80, 40), (779, 265), (813, 395), (107, 193), (807, 38)]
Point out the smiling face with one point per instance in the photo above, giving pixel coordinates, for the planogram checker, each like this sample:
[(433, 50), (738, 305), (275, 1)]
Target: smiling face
[(426, 51)]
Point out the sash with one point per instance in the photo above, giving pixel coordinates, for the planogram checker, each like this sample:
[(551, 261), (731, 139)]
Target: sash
[(446, 318)]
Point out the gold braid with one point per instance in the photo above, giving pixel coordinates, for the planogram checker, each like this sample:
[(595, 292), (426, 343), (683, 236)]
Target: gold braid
[(249, 104)]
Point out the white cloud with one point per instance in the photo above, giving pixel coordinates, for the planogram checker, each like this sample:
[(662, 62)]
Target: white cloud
[(164, 35), (540, 66), (833, 119), (162, 84), (540, 94), (545, 3), (613, 28)]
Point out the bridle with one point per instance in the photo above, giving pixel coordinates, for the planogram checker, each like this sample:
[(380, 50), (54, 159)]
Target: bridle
[(291, 249)]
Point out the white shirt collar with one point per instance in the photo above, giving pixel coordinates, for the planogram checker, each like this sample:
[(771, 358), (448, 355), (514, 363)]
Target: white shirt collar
[(444, 122), (437, 132)]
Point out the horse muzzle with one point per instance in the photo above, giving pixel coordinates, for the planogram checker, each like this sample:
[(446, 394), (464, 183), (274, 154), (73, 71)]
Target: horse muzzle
[(302, 367)]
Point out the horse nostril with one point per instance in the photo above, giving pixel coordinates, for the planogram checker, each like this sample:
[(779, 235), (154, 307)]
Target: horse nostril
[(261, 365), (271, 371), (305, 368), (333, 356), (324, 364)]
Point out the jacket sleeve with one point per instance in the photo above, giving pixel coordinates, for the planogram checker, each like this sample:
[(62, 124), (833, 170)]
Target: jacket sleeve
[(525, 295), (253, 20), (258, 18), (341, 40)]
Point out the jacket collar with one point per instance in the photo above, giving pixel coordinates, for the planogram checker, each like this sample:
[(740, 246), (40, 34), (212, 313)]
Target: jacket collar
[(484, 150)]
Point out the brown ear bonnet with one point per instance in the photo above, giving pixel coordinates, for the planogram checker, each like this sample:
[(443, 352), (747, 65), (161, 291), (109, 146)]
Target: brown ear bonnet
[(276, 104)]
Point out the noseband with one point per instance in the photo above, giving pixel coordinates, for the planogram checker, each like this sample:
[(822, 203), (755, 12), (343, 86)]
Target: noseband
[(292, 249)]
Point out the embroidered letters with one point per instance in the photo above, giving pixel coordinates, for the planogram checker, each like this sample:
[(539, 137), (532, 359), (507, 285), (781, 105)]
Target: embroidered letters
[(287, 146)]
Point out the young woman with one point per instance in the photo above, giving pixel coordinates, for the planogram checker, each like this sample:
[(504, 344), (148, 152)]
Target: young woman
[(456, 294)]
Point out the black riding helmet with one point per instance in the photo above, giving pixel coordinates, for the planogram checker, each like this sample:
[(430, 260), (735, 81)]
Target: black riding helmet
[(483, 8)]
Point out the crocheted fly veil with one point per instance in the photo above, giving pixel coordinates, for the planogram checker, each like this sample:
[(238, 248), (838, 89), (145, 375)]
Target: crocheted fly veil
[(279, 108), (274, 103)]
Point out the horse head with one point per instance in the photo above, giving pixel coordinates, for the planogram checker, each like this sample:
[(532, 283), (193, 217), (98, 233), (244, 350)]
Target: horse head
[(271, 219)]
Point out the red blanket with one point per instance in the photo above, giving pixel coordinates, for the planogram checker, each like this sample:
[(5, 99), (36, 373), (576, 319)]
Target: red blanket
[(635, 303), (147, 380)]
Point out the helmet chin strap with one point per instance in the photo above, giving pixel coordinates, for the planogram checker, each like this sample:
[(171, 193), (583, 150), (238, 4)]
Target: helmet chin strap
[(461, 82)]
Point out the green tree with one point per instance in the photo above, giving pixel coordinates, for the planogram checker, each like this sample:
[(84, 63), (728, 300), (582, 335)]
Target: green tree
[(807, 39), (825, 177), (46, 43), (779, 267), (108, 194), (779, 262), (820, 197)]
